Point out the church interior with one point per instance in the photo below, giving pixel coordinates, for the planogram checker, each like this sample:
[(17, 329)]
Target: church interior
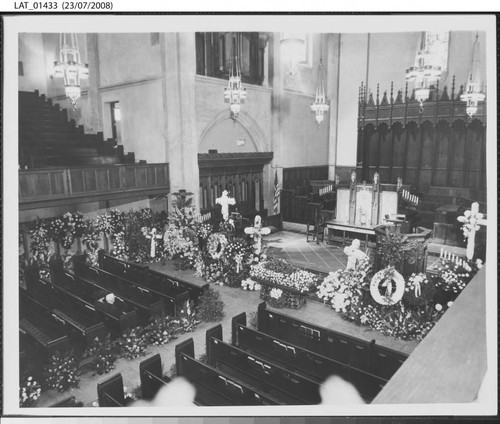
[(278, 218)]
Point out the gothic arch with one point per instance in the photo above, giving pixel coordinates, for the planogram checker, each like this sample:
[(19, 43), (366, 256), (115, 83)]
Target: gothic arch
[(249, 124)]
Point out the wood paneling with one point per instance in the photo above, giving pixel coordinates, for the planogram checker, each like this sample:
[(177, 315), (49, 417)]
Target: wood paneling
[(300, 176), (55, 184)]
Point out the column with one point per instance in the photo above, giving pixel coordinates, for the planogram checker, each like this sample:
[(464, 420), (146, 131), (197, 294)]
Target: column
[(332, 90), (178, 61), (94, 124), (276, 82)]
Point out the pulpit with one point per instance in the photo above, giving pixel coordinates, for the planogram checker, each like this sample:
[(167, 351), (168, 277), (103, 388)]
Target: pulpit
[(413, 248)]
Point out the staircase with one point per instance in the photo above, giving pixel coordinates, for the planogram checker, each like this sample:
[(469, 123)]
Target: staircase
[(47, 139)]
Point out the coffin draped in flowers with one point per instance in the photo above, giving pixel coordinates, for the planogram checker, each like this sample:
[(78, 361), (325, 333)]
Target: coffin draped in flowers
[(279, 272)]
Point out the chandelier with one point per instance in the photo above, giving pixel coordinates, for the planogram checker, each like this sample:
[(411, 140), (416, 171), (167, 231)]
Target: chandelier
[(425, 73), (69, 67), (321, 104), (473, 89), (234, 93)]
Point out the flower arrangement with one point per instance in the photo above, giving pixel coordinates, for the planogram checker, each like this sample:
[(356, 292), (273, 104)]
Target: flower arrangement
[(187, 319), (276, 293), (61, 373), (453, 277), (203, 230), (40, 249), (216, 244), (56, 230), (101, 355), (392, 293), (391, 249), (178, 246), (418, 291), (278, 271), (183, 217), (211, 306), (160, 331), (212, 272), (345, 288), (139, 226), (133, 343), (72, 226), (400, 321), (29, 392), (250, 285)]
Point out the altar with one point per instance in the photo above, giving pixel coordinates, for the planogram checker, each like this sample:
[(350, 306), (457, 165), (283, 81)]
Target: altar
[(363, 207)]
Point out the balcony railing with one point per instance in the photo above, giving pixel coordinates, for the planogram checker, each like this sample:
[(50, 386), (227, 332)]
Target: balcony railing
[(106, 181)]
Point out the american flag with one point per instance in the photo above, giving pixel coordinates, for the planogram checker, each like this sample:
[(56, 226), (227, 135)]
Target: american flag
[(276, 193)]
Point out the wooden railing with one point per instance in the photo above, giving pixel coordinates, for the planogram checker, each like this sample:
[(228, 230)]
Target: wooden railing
[(59, 184)]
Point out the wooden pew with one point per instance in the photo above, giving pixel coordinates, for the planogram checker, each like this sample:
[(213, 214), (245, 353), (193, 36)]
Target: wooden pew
[(146, 305), (148, 278), (161, 282), (213, 387), (110, 393), (81, 320), (85, 293), (300, 360), (35, 324), (173, 295), (360, 354), (291, 388), (151, 375), (125, 269)]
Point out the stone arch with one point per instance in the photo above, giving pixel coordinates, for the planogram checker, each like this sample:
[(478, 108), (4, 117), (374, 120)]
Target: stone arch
[(248, 124)]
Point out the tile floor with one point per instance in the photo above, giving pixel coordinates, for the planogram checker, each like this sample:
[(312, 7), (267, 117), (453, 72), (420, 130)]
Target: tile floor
[(291, 245)]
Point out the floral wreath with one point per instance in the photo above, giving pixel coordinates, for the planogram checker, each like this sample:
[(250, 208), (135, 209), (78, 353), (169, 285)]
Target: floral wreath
[(216, 245), (387, 276)]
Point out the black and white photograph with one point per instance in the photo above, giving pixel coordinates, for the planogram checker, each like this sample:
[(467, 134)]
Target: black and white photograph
[(250, 215)]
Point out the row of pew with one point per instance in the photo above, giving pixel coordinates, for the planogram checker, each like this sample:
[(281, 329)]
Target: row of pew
[(276, 364), (69, 309)]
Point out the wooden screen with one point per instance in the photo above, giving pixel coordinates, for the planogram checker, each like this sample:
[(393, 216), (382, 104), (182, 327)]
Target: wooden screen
[(241, 174), (438, 145)]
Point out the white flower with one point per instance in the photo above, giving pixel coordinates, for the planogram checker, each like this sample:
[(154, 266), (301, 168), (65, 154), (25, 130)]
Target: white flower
[(438, 307), (479, 263), (449, 303)]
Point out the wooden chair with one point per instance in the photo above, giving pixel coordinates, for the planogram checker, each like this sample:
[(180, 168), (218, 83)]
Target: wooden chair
[(316, 230)]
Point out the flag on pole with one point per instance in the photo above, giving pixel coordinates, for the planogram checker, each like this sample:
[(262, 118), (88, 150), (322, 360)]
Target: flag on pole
[(276, 193)]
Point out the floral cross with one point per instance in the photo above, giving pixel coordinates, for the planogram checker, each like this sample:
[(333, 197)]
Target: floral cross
[(153, 236), (225, 201), (472, 221), (257, 231)]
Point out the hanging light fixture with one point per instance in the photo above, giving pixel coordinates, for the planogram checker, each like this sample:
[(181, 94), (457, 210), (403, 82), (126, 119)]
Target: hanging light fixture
[(425, 73), (321, 104), (69, 67), (292, 51), (473, 89), (234, 93)]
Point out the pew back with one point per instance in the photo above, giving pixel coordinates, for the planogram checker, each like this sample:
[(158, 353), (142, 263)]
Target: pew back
[(360, 354), (151, 375), (148, 278), (87, 293), (303, 361), (110, 393), (298, 389), (214, 388)]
